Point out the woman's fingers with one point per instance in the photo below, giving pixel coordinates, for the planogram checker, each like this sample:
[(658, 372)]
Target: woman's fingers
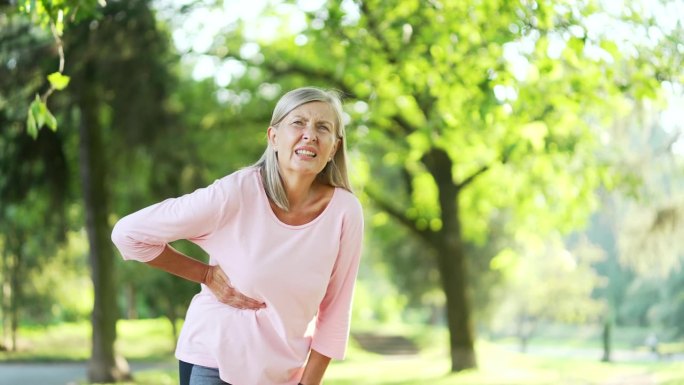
[(222, 288), (248, 302)]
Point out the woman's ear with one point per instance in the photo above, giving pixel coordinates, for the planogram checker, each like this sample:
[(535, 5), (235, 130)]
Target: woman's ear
[(271, 134), (336, 147)]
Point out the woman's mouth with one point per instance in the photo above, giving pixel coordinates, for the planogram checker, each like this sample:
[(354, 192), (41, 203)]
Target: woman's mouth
[(305, 153)]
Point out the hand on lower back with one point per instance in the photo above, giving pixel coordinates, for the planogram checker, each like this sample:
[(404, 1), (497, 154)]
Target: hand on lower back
[(218, 282)]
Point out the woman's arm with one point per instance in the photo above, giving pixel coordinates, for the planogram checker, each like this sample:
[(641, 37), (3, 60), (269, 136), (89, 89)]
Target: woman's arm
[(331, 333), (174, 262), (315, 368), (144, 234)]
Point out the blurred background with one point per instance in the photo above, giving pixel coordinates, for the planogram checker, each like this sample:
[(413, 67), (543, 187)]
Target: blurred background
[(521, 166)]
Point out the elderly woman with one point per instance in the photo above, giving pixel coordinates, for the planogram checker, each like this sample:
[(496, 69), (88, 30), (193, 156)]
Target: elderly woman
[(284, 239)]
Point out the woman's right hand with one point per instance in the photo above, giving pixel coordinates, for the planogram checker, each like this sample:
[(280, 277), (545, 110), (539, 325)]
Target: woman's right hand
[(218, 282)]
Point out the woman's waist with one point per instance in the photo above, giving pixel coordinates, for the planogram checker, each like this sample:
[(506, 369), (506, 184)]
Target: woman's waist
[(206, 312), (225, 333)]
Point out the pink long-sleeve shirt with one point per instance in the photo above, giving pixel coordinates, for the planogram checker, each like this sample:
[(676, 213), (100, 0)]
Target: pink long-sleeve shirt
[(305, 274)]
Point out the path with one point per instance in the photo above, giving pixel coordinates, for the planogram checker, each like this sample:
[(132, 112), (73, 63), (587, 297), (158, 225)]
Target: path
[(637, 379), (386, 344), (617, 355), (62, 373)]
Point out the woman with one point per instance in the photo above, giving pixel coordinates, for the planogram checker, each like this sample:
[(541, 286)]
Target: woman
[(284, 239)]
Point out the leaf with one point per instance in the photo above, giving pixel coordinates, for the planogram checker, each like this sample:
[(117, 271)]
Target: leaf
[(58, 80), (505, 260), (38, 116), (535, 133), (50, 120), (31, 127), (36, 109)]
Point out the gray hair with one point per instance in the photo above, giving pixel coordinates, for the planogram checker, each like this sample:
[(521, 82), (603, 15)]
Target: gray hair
[(335, 172)]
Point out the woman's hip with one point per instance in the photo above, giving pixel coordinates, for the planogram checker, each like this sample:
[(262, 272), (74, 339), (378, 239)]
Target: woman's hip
[(190, 374)]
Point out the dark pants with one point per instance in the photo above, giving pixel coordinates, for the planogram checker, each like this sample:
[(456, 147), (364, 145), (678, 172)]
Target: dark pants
[(190, 374)]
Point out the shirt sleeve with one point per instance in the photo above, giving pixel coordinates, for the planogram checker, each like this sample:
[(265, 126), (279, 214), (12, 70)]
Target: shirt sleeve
[(143, 235), (334, 314)]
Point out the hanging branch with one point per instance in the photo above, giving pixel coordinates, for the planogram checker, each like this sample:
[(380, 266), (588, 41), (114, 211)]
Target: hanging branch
[(53, 17), (58, 81)]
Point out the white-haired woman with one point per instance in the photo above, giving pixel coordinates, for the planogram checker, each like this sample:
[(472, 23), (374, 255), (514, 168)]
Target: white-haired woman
[(284, 239)]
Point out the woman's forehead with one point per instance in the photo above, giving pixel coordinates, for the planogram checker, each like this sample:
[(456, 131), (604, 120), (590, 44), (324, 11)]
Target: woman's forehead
[(316, 110)]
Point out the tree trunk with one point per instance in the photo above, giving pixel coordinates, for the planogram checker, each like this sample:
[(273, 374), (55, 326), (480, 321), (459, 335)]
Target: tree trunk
[(4, 313), (452, 264), (15, 243), (6, 300), (461, 336), (173, 318), (607, 338), (524, 331), (131, 309), (103, 365), (14, 328), (15, 298)]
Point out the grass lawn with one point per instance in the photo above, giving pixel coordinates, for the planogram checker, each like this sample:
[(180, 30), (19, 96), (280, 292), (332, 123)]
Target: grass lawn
[(497, 366), (151, 340), (142, 340)]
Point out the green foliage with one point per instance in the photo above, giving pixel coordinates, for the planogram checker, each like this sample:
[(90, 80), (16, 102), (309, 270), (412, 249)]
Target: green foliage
[(60, 289), (546, 283), (376, 299), (509, 91), (53, 16), (648, 216), (453, 85), (58, 81), (127, 88), (518, 95), (38, 116), (132, 75), (412, 269), (56, 13), (638, 220), (34, 182)]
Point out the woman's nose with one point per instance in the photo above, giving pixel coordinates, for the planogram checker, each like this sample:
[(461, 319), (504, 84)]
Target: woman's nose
[(310, 132)]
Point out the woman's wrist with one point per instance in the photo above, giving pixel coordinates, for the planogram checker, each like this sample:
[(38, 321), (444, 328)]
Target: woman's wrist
[(174, 262), (205, 274)]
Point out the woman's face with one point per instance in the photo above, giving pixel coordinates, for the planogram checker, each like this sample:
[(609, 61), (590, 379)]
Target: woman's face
[(305, 139)]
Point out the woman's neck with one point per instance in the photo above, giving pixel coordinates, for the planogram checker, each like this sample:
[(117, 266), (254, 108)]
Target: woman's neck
[(300, 190)]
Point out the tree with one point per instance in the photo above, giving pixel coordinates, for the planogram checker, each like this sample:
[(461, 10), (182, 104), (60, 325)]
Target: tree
[(53, 17), (649, 217), (547, 282), (119, 101), (120, 76), (466, 114), (34, 174), (119, 84), (639, 213)]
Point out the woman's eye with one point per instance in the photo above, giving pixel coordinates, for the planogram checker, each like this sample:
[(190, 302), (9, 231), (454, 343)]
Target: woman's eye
[(297, 122), (324, 128)]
